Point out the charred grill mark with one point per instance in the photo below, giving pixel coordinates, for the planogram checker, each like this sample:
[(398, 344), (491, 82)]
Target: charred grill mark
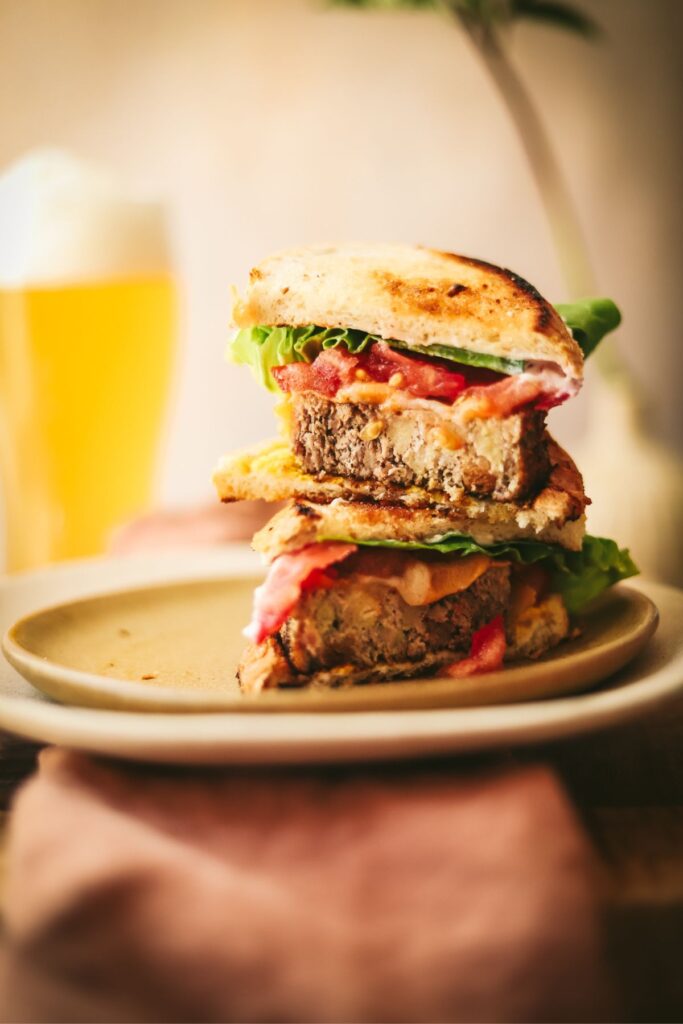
[(544, 318), (307, 512), (521, 285), (545, 315), (282, 644)]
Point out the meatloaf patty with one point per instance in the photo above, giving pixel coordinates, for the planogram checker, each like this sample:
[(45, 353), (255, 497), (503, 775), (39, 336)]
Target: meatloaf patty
[(502, 458), (367, 630)]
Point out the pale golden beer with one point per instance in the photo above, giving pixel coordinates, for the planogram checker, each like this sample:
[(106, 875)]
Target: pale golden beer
[(84, 379)]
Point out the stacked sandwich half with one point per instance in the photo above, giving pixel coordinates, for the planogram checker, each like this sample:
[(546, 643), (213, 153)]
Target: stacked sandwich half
[(431, 524)]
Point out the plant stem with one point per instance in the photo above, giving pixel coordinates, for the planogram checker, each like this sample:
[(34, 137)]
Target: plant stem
[(559, 206), (570, 245)]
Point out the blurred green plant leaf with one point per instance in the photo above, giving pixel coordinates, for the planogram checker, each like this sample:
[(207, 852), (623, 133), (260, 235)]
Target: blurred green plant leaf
[(488, 12), (387, 4), (484, 22), (559, 15)]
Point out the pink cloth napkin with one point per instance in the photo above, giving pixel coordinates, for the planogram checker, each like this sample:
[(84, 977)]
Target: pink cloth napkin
[(139, 894), (202, 526)]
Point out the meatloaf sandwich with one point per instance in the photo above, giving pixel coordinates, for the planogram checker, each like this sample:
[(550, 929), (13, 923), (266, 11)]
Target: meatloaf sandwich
[(432, 523)]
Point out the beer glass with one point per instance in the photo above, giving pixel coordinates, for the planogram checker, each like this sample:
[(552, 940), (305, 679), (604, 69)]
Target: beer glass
[(87, 337)]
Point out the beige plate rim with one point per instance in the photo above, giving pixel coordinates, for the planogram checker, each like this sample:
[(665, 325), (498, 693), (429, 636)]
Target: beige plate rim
[(230, 738), (87, 688)]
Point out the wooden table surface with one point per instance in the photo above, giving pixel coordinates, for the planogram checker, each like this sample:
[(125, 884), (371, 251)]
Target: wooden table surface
[(627, 785)]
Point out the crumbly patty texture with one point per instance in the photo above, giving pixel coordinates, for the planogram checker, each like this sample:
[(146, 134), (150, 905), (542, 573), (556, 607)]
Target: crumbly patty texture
[(501, 458), (362, 626), (368, 624), (413, 294)]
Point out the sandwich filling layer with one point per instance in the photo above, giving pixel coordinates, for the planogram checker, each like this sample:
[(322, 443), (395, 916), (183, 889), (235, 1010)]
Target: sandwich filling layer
[(422, 574), (336, 613), (505, 459), (376, 413), (329, 362)]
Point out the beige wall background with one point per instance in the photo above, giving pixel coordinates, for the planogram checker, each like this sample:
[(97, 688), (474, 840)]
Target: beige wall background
[(274, 122)]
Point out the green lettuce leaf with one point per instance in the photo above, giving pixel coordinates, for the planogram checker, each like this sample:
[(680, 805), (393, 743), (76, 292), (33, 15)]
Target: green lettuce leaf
[(579, 576), (464, 356), (262, 348), (590, 320)]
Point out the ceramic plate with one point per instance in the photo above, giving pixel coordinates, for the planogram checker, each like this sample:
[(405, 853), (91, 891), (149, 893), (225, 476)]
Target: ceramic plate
[(175, 647), (184, 635)]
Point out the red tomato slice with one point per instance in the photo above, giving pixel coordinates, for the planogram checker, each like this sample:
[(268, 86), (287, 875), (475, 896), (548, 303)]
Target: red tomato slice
[(329, 371), (486, 651), (420, 377), (288, 576), (336, 367), (488, 393)]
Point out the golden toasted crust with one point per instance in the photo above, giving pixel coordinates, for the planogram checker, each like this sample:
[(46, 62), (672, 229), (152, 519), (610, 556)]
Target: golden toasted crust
[(413, 294), (538, 628), (264, 665), (335, 507), (302, 523)]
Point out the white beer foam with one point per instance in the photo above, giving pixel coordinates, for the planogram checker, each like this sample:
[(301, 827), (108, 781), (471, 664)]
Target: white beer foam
[(64, 221)]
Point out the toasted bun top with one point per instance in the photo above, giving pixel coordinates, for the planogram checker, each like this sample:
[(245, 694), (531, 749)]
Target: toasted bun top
[(415, 295)]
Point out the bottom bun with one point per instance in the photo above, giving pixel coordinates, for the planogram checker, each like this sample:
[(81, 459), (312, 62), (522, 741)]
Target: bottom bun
[(265, 665)]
